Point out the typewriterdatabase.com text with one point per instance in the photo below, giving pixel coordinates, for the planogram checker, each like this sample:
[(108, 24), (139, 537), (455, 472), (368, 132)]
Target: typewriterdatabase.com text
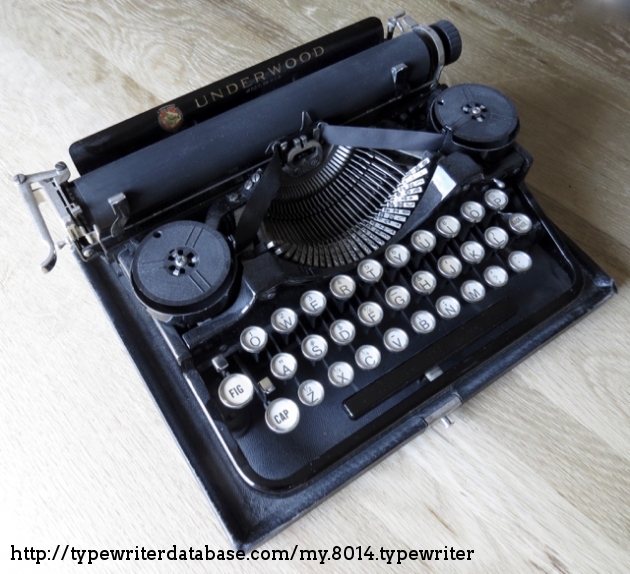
[(178, 553)]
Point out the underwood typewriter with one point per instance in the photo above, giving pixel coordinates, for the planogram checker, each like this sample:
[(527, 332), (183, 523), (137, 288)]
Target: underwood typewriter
[(315, 259)]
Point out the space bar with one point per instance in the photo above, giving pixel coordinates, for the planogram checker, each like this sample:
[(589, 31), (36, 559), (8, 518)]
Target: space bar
[(363, 401)]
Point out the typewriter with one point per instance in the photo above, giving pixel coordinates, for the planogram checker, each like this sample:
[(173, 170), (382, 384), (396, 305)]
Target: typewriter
[(317, 258)]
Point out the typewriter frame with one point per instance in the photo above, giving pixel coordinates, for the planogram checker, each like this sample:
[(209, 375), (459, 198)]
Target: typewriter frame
[(251, 510)]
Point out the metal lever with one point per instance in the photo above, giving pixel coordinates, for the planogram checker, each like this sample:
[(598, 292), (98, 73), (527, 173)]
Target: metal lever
[(23, 183)]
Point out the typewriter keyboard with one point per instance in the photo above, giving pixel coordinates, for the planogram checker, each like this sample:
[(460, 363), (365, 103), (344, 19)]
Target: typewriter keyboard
[(299, 376)]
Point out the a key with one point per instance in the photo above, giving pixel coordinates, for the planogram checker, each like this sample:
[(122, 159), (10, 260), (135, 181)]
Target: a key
[(253, 339), (367, 357), (520, 223), (448, 226), (370, 314), (314, 347), (495, 276), (313, 303), (236, 391), (472, 291), (284, 320), (472, 211), (282, 415), (311, 393), (496, 199), (341, 374), (397, 297), (423, 241), (395, 340), (472, 252), (519, 261), (342, 332), (449, 266), (423, 282), (423, 322), (448, 307), (283, 366), (496, 237), (397, 256)]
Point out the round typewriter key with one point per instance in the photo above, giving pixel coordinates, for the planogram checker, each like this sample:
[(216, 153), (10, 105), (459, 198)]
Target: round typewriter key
[(370, 314), (313, 303), (341, 374), (520, 261), (395, 340), (314, 347), (520, 223), (449, 266), (397, 255), (370, 270), (472, 211), (235, 391), (423, 282), (448, 226), (397, 297), (284, 320), (311, 393), (342, 332), (282, 415), (423, 322), (342, 287), (472, 252), (253, 339), (495, 276), (496, 237), (423, 241), (448, 307), (472, 291), (496, 199), (368, 357), (283, 366)]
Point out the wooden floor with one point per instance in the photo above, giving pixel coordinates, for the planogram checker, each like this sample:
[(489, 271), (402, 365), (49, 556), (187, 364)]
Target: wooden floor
[(534, 475)]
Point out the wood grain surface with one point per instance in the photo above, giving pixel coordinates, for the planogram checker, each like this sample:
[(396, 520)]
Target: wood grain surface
[(534, 475)]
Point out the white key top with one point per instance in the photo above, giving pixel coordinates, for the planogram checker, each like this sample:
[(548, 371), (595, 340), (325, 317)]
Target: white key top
[(370, 271), (236, 391), (342, 332), (313, 303), (448, 307), (397, 297), (496, 237), (423, 241), (341, 374), (342, 287), (283, 366), (282, 415), (520, 223), (472, 252), (253, 339), (311, 393), (448, 226), (284, 320), (314, 347), (423, 282), (370, 313), (367, 357), (472, 211), (520, 261), (495, 276), (423, 322), (395, 340), (397, 255), (449, 266), (472, 291), (496, 199)]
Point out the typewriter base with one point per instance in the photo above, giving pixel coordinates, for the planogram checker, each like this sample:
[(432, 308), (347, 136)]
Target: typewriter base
[(250, 516)]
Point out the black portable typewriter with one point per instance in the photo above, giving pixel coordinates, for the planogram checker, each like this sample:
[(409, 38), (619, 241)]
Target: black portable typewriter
[(315, 259)]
